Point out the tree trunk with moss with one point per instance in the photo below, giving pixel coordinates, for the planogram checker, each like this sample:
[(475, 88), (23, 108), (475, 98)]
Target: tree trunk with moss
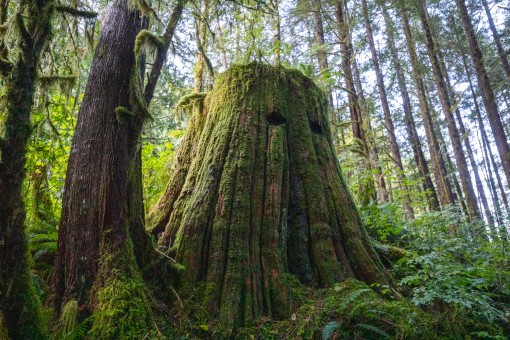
[(96, 267), (263, 196), (19, 302)]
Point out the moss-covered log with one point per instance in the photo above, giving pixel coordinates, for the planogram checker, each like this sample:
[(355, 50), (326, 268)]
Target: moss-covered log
[(264, 196)]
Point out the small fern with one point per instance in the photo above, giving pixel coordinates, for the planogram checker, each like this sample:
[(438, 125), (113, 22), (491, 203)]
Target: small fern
[(373, 330), (69, 317), (329, 329)]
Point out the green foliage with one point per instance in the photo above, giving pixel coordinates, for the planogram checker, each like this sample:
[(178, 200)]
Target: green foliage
[(156, 160), (68, 325), (349, 310), (454, 273), (448, 268), (383, 220)]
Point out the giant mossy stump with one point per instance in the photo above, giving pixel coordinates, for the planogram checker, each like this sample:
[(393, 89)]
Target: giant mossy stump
[(263, 195)]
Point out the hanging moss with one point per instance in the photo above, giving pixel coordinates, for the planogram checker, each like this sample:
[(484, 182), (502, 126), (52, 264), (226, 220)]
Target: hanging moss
[(263, 196)]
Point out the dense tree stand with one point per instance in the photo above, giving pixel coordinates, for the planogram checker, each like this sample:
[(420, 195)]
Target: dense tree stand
[(263, 196)]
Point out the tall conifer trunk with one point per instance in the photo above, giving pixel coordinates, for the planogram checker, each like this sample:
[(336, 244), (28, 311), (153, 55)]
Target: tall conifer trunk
[(419, 156), (357, 109), (96, 264), (443, 186), (489, 100), (373, 152), (446, 106), (499, 46), (388, 119)]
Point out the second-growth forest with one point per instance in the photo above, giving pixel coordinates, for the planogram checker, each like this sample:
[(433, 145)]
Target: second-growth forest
[(269, 169)]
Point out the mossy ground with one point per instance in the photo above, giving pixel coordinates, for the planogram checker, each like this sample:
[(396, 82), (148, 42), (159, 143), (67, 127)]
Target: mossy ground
[(348, 310)]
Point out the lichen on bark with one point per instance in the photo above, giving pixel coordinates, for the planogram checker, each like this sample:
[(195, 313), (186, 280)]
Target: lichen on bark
[(263, 196)]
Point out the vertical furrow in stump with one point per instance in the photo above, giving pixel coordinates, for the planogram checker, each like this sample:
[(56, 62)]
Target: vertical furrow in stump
[(272, 268), (362, 258), (160, 214), (220, 236), (256, 213), (235, 306), (305, 160)]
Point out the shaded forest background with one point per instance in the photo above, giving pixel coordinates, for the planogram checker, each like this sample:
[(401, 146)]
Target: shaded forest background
[(419, 107)]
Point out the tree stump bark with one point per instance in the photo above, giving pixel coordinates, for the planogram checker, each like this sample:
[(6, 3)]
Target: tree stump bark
[(263, 196)]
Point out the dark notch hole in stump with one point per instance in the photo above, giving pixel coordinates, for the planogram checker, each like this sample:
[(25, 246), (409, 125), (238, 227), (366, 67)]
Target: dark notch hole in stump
[(316, 127), (276, 118)]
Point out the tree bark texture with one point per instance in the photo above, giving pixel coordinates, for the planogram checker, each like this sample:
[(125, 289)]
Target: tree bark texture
[(373, 153), (497, 40), (96, 264), (358, 112), (263, 197)]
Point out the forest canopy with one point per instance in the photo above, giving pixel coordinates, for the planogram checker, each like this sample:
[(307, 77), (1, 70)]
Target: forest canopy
[(254, 169)]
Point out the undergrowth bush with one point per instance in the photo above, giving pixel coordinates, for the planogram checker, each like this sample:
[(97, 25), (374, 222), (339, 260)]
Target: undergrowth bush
[(450, 267)]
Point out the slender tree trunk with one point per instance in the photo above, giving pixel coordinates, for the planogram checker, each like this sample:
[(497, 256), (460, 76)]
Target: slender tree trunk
[(19, 303), (478, 181), (357, 109), (201, 67), (318, 34), (375, 166), (395, 149), (271, 196), (277, 32), (491, 107), (102, 274), (346, 53), (497, 40), (446, 105), (466, 139), (458, 196), (443, 186), (419, 156)]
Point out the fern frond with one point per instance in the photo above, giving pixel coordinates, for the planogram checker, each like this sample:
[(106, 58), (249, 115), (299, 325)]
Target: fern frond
[(374, 330)]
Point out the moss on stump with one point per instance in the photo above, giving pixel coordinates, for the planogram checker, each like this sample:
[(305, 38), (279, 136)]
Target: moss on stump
[(263, 196)]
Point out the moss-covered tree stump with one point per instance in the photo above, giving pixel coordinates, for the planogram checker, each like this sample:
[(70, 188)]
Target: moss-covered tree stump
[(263, 195)]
